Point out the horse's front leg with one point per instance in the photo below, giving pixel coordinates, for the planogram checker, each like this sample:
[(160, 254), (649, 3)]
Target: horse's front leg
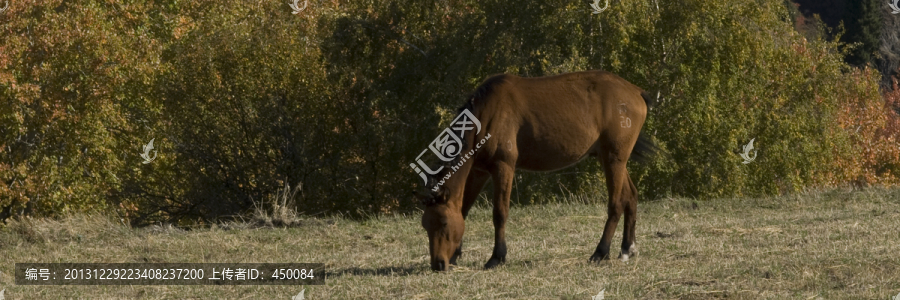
[(474, 183), (503, 179)]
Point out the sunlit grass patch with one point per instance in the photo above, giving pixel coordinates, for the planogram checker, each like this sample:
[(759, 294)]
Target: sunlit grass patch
[(836, 244)]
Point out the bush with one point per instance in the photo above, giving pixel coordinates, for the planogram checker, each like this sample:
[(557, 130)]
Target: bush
[(242, 98)]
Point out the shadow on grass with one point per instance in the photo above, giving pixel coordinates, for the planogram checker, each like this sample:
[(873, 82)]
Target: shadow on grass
[(412, 269)]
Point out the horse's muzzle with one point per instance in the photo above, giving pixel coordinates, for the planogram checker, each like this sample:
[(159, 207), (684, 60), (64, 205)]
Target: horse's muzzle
[(440, 265)]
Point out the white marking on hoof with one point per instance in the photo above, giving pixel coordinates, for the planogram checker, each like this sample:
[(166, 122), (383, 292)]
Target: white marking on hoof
[(626, 254)]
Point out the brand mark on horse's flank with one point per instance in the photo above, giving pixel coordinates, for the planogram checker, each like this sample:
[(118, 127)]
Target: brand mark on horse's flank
[(896, 11), (626, 121), (448, 145)]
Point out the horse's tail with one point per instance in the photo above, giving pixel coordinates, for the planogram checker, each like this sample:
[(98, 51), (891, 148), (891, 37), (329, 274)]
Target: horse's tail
[(645, 148), (648, 100)]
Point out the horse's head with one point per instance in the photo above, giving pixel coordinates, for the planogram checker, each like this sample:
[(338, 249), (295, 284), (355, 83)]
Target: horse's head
[(444, 223)]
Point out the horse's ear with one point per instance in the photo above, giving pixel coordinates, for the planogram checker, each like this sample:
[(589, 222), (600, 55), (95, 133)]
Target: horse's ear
[(420, 196), (443, 195), (423, 197)]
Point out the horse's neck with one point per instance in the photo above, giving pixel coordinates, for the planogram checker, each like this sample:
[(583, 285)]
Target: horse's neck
[(459, 173), (456, 184)]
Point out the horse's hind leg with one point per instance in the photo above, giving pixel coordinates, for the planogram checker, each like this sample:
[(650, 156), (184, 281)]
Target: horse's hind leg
[(503, 178), (630, 205), (474, 183), (616, 183)]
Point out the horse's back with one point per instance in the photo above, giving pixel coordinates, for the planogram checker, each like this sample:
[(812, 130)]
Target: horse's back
[(555, 121), (596, 94)]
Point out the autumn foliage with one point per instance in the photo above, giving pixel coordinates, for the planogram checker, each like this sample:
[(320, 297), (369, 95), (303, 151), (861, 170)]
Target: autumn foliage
[(874, 129), (245, 97)]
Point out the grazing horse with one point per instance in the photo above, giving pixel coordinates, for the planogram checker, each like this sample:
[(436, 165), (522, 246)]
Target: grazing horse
[(538, 124)]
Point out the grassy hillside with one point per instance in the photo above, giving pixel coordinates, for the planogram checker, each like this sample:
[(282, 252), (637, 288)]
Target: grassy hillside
[(821, 245)]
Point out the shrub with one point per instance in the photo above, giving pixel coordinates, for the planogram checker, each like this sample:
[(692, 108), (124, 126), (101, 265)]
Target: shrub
[(340, 98)]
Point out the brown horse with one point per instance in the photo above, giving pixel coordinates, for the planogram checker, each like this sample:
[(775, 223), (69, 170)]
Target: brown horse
[(539, 124)]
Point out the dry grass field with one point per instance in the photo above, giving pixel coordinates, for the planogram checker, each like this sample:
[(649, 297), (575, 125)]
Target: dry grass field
[(837, 244)]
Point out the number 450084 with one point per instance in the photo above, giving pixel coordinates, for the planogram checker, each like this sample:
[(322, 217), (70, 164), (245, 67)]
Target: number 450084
[(288, 274)]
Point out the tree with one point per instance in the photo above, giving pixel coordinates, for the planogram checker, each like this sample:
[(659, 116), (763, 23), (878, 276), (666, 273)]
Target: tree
[(863, 23)]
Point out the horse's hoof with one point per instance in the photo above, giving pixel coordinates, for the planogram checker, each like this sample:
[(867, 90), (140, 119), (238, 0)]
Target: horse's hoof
[(626, 254), (493, 263), (598, 258)]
